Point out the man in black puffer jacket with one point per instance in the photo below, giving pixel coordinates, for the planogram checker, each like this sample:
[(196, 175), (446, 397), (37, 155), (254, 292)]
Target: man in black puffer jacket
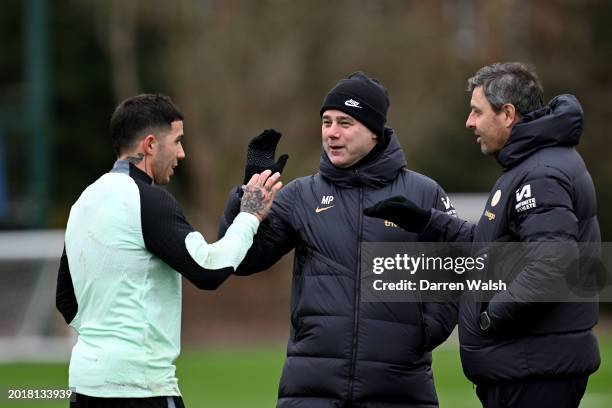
[(520, 351), (343, 352)]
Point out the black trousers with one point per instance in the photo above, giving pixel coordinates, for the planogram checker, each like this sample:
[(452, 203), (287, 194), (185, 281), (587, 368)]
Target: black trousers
[(85, 401), (538, 392)]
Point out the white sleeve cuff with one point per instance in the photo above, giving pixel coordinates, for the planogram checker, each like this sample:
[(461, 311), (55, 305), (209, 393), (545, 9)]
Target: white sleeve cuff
[(229, 250)]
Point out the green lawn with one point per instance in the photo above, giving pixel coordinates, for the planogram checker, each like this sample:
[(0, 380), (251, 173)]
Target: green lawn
[(248, 378)]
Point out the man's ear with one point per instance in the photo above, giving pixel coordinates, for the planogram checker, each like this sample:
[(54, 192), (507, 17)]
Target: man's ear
[(511, 115), (148, 144)]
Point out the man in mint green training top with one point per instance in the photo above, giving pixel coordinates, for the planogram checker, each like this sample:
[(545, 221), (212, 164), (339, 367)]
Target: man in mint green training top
[(127, 244)]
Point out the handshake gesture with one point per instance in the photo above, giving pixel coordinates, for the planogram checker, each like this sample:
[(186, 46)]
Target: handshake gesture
[(262, 174)]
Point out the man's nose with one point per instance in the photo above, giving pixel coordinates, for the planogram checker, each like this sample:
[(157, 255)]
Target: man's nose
[(181, 153), (469, 123), (333, 130)]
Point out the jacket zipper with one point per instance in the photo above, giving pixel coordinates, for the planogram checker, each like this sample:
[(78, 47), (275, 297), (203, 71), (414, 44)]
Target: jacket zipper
[(357, 297)]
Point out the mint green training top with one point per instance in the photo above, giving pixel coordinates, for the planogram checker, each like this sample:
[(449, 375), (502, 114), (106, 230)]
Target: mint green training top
[(119, 286)]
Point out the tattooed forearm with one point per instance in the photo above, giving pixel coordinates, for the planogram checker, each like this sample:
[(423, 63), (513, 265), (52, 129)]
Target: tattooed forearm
[(135, 159), (253, 200)]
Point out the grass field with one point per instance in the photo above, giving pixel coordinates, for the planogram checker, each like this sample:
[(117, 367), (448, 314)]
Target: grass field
[(239, 378)]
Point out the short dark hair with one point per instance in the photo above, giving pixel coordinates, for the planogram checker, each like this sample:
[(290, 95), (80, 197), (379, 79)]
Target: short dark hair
[(140, 115), (509, 82)]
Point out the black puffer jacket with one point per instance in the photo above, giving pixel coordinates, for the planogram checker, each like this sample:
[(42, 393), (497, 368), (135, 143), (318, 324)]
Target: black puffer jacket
[(544, 194), (343, 352)]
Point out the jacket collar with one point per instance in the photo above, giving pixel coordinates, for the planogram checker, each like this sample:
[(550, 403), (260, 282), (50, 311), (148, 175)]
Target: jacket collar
[(125, 167), (374, 173), (557, 124)]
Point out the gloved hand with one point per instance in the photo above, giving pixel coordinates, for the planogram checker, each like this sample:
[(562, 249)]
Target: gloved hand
[(260, 154), (402, 212)]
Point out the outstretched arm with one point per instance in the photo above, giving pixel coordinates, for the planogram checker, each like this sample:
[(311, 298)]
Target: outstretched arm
[(168, 235), (433, 225)]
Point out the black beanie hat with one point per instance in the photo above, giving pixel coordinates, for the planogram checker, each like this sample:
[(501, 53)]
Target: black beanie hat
[(363, 98)]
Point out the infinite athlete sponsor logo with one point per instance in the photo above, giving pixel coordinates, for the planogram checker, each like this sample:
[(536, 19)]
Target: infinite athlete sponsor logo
[(523, 192), (524, 200)]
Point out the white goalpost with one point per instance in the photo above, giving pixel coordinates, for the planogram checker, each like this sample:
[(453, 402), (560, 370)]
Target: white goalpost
[(31, 329)]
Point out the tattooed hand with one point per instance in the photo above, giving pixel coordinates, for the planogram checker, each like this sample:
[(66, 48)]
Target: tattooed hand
[(259, 193)]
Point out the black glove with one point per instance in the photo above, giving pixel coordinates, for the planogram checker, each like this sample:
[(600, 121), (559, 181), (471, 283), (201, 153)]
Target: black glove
[(260, 154), (402, 212)]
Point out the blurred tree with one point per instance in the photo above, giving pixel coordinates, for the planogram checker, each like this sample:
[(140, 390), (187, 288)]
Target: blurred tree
[(119, 23)]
